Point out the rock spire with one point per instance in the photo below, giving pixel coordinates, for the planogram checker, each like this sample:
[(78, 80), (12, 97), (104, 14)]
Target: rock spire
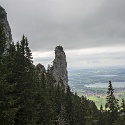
[(60, 66), (6, 28)]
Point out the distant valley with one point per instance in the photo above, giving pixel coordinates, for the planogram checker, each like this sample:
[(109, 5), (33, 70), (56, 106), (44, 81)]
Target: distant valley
[(93, 83)]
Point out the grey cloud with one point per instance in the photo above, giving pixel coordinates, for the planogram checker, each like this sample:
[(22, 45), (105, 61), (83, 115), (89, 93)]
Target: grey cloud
[(73, 24), (43, 60), (97, 60)]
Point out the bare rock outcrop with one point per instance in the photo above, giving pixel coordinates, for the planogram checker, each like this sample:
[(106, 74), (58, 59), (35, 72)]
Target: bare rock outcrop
[(6, 28), (60, 66)]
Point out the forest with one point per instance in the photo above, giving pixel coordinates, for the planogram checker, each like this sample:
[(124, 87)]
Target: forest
[(28, 95)]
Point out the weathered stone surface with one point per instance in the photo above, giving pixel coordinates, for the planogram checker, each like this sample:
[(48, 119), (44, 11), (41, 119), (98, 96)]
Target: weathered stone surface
[(6, 27), (60, 66)]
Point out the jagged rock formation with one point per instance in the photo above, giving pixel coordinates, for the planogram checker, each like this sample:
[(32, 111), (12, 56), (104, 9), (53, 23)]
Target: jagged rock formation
[(60, 66), (6, 28)]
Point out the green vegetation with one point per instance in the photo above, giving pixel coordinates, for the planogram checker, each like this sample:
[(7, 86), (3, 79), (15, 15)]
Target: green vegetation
[(29, 95), (98, 100), (101, 100)]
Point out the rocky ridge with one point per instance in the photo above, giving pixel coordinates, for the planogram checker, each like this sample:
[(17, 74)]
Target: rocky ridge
[(6, 28)]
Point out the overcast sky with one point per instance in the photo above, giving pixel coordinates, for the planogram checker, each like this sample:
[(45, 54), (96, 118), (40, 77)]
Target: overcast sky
[(92, 32)]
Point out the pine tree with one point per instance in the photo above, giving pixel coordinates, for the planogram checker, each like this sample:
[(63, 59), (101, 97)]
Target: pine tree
[(123, 108), (69, 104), (7, 87), (45, 96), (40, 94), (78, 110), (122, 113), (62, 118), (112, 105), (101, 116), (29, 95), (24, 72)]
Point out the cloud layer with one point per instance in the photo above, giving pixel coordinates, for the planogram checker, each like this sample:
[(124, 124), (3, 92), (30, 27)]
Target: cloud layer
[(74, 24)]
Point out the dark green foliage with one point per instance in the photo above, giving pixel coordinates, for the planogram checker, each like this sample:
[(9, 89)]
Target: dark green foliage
[(45, 109), (113, 113), (29, 95), (62, 118), (122, 113), (7, 86), (112, 106), (24, 72), (123, 107), (101, 120), (69, 104)]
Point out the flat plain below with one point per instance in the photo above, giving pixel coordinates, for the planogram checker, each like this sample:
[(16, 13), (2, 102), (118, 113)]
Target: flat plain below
[(93, 83)]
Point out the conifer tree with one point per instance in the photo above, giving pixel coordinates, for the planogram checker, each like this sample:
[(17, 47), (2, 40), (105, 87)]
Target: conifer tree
[(7, 87), (101, 116), (122, 113), (123, 107), (69, 104), (45, 96), (29, 95), (24, 72), (62, 118), (78, 110), (112, 105), (41, 95)]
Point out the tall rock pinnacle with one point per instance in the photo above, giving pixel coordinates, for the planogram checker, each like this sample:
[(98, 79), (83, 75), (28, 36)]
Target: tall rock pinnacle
[(6, 28), (60, 66)]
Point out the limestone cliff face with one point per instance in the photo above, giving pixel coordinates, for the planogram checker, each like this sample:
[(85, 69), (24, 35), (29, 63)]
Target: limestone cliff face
[(6, 28), (60, 66)]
